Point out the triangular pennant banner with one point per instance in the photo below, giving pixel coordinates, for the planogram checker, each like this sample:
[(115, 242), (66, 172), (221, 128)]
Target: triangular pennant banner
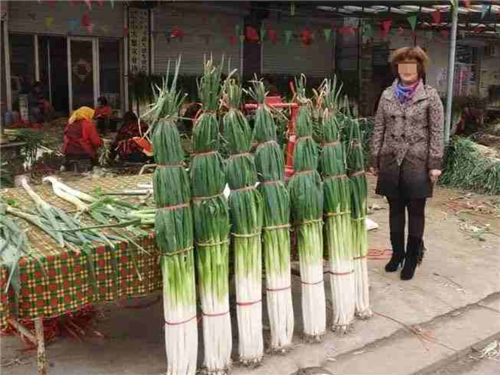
[(306, 37), (252, 34), (436, 17), (89, 4), (263, 32), (412, 20), (49, 21), (484, 9), (86, 20), (327, 33), (272, 35), (288, 36), (386, 27), (73, 25), (368, 31)]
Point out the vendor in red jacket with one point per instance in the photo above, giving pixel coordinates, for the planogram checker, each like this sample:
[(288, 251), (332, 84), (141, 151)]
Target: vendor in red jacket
[(81, 139)]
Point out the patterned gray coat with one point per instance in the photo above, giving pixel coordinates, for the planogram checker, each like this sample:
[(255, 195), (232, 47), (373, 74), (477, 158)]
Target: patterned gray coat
[(408, 142)]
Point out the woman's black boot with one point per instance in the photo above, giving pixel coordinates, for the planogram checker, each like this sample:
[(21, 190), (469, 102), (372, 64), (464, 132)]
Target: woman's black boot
[(398, 252), (413, 258)]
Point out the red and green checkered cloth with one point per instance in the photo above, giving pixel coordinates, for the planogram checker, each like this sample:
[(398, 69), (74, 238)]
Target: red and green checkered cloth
[(64, 284)]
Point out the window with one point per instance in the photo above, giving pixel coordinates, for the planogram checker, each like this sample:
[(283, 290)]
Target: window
[(22, 64), (110, 71)]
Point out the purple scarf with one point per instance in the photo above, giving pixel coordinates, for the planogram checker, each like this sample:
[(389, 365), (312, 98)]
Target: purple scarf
[(405, 93)]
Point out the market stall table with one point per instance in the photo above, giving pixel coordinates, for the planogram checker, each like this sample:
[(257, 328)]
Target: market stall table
[(65, 283)]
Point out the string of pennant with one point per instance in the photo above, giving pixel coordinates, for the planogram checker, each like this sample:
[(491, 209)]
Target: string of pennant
[(305, 36)]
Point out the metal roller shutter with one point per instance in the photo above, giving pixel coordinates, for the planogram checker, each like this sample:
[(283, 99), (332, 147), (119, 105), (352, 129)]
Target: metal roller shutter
[(314, 60), (64, 18), (205, 33)]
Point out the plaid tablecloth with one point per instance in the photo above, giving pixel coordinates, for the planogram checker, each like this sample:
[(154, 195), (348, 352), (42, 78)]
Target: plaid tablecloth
[(64, 283)]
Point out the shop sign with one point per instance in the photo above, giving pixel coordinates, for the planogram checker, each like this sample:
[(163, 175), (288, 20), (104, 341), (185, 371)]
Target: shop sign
[(138, 30)]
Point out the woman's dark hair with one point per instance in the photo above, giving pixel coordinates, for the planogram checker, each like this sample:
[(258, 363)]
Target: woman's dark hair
[(129, 117), (407, 54), (269, 79), (102, 100)]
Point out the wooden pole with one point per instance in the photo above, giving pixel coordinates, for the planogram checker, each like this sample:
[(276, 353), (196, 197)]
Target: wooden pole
[(41, 357)]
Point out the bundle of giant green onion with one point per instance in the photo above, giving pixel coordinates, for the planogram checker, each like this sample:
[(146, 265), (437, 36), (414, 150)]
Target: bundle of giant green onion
[(306, 192), (174, 231), (62, 228), (108, 212), (13, 245), (276, 224), (245, 207), (337, 213), (211, 224), (359, 209)]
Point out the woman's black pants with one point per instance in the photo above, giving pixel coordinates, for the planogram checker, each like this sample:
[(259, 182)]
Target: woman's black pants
[(416, 216)]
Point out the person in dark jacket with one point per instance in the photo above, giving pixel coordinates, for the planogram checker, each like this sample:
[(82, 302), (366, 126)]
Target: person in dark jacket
[(81, 139), (130, 143), (38, 107), (406, 154)]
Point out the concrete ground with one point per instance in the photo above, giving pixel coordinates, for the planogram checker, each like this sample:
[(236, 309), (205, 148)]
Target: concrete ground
[(419, 327)]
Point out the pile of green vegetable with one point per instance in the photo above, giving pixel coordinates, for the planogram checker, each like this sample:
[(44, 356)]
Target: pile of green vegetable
[(466, 168)]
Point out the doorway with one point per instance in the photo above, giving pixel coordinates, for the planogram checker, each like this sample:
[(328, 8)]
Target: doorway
[(53, 57), (83, 72)]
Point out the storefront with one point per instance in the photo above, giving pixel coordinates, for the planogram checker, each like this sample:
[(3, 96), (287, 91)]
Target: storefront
[(77, 53)]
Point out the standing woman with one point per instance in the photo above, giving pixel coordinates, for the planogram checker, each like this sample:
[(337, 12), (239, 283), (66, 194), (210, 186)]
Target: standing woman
[(407, 152)]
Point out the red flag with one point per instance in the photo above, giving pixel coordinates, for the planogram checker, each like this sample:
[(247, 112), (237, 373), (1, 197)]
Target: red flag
[(386, 27), (306, 37), (272, 35), (252, 34), (86, 20), (436, 17)]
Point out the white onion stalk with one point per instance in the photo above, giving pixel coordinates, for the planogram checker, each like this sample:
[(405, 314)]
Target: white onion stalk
[(307, 200), (276, 223), (337, 211), (338, 233), (359, 209), (313, 289), (68, 195), (69, 190), (245, 204)]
